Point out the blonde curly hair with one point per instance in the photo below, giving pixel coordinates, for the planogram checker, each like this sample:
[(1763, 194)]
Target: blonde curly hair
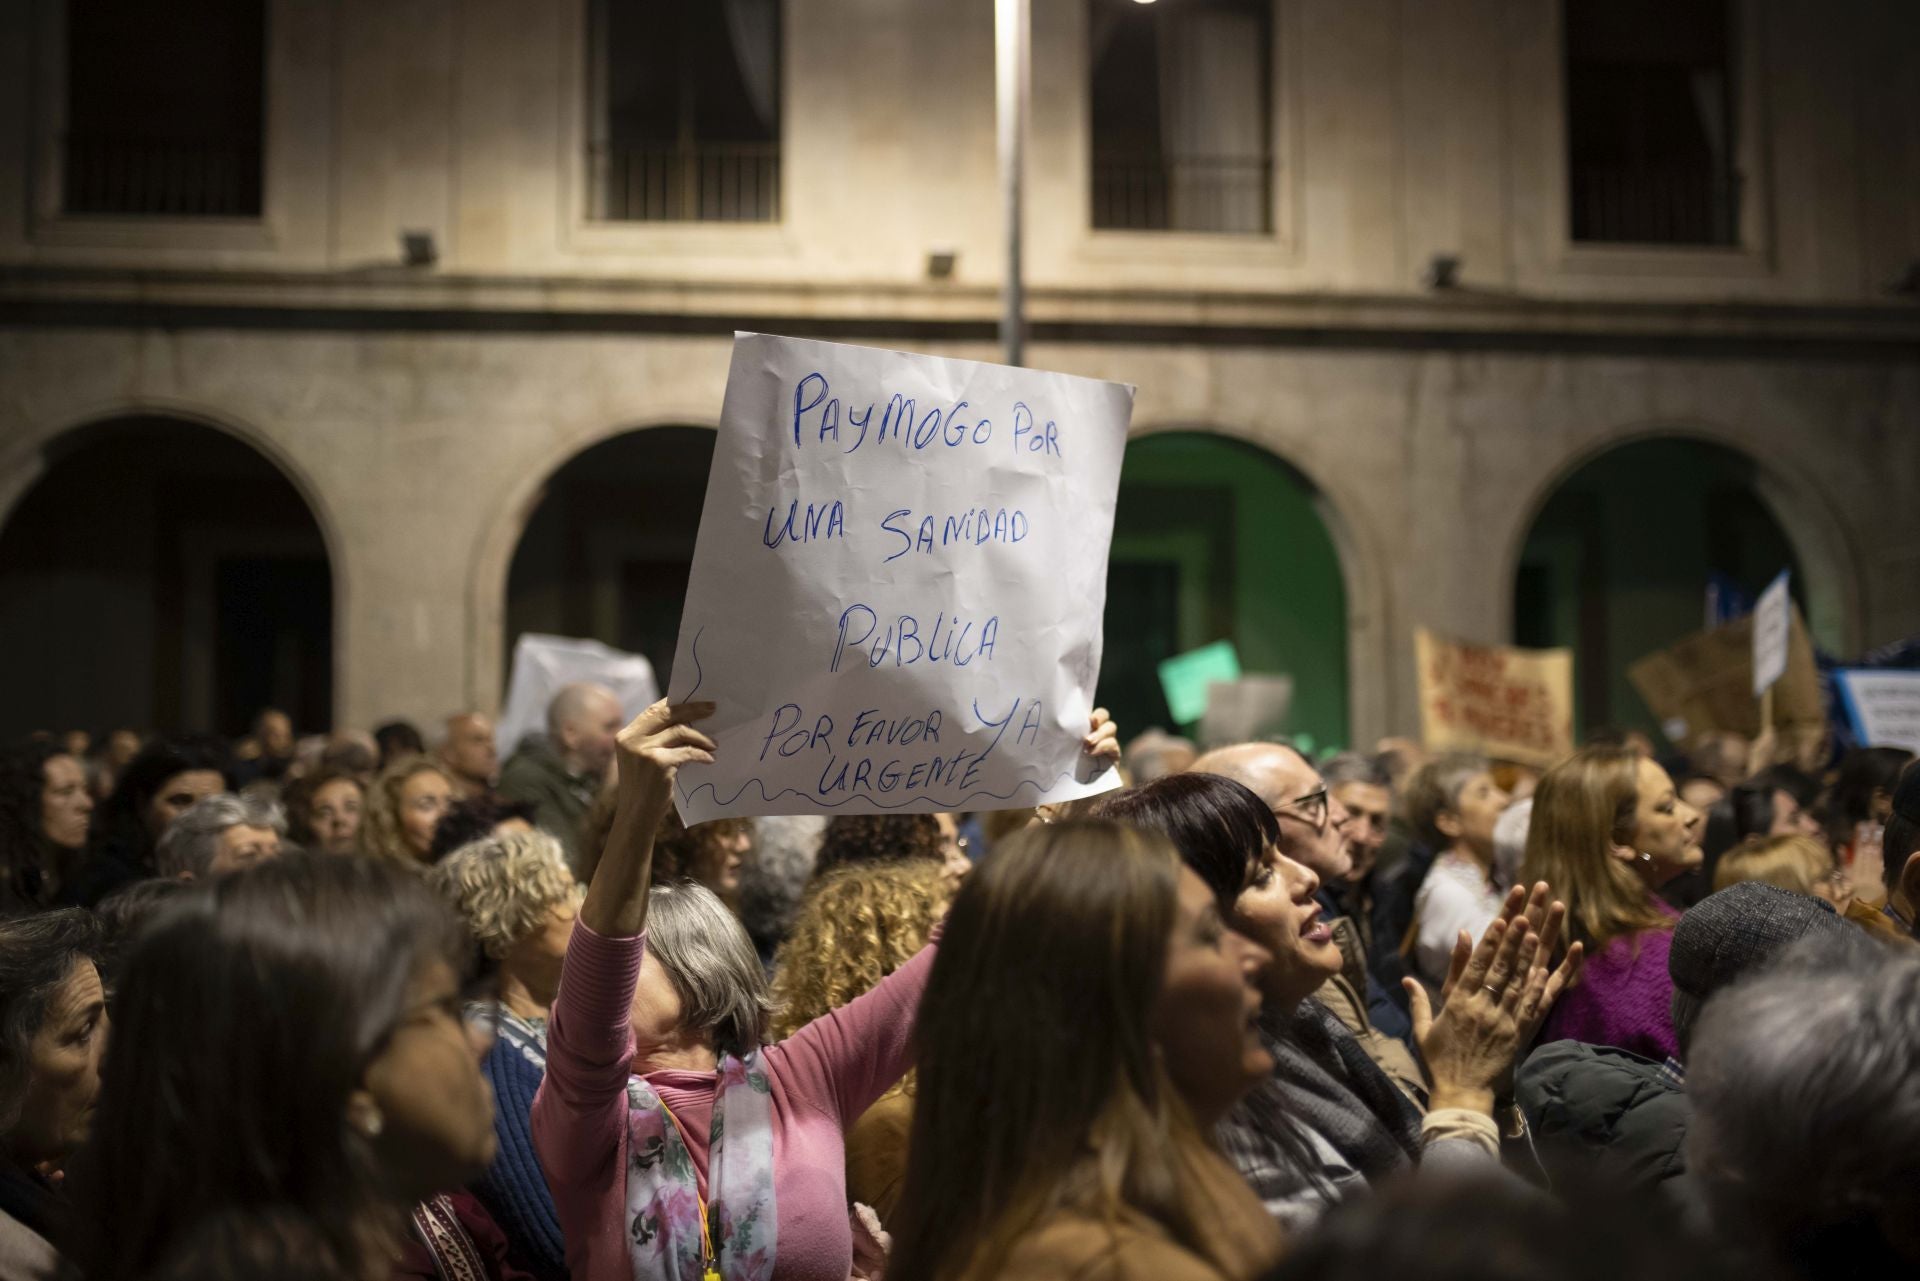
[(857, 924), (505, 887)]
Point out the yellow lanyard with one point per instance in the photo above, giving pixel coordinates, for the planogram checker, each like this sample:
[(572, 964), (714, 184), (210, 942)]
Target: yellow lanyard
[(707, 1258)]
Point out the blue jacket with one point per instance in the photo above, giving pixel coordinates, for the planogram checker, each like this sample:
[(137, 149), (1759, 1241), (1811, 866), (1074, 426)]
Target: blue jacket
[(514, 1188)]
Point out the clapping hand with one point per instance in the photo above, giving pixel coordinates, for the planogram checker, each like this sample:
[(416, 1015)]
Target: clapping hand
[(1496, 996)]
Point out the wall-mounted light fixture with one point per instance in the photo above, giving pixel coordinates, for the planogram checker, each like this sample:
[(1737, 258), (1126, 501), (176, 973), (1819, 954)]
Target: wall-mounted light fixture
[(417, 249), (1443, 272)]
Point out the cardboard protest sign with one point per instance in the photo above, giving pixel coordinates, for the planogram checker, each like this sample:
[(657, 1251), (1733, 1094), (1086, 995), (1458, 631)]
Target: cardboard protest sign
[(1883, 706), (897, 591), (1512, 704), (1705, 682), (542, 664)]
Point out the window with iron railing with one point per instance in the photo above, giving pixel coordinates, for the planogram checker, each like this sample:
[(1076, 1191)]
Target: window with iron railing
[(1651, 122), (685, 111), (1181, 98), (164, 108)]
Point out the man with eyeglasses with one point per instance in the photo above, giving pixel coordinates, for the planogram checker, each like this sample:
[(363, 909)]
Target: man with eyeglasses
[(1315, 830)]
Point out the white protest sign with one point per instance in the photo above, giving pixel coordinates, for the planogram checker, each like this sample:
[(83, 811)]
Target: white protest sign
[(542, 664), (897, 591), (1884, 706), (1771, 627)]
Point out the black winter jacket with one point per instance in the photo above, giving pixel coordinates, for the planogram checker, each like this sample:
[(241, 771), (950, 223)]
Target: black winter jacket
[(1597, 1111)]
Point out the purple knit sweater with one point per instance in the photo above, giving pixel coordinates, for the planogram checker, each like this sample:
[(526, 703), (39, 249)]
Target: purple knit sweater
[(1624, 997)]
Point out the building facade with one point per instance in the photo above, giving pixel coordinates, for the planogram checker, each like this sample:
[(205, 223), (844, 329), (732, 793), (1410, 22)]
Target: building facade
[(1426, 264)]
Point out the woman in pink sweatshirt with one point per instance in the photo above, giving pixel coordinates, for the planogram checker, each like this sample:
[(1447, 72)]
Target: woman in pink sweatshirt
[(677, 1146)]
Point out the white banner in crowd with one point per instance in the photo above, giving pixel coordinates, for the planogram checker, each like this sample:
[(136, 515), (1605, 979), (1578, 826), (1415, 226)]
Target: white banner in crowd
[(542, 664), (897, 591), (1884, 706), (1771, 623)]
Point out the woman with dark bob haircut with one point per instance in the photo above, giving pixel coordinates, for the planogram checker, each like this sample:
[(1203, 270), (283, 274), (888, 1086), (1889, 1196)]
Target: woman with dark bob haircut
[(168, 778), (1327, 1124), (290, 1084)]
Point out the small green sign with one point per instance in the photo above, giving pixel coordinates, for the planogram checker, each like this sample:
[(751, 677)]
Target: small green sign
[(1185, 678)]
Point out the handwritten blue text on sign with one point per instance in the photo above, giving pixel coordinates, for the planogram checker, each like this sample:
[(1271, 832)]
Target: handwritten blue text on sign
[(897, 590)]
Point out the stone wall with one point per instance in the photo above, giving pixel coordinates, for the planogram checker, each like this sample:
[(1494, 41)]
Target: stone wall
[(1435, 426)]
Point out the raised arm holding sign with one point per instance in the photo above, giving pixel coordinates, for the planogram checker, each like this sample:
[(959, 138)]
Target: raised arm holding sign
[(897, 592)]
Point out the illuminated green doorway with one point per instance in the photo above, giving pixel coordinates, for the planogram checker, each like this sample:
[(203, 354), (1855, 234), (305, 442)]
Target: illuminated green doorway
[(1617, 563), (1217, 540)]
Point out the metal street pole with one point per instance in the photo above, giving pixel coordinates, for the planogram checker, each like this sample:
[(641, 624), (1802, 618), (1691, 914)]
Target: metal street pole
[(1013, 32)]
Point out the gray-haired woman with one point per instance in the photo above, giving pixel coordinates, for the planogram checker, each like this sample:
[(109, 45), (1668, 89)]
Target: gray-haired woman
[(224, 833), (677, 1144), (53, 1034)]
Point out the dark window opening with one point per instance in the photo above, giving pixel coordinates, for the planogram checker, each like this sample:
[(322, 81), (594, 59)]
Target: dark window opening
[(165, 108), (686, 111), (1651, 122), (1182, 116)]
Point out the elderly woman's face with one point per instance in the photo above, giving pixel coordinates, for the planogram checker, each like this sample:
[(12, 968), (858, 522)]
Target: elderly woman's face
[(536, 957), (335, 818), (63, 1070), (424, 801), (1480, 805), (657, 1011)]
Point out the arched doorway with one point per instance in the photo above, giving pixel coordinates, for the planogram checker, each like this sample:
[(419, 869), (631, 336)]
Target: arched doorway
[(1619, 561), (1218, 540), (162, 574), (608, 548)]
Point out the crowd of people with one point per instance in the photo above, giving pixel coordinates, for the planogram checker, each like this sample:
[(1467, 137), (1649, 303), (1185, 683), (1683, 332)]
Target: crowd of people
[(361, 1006)]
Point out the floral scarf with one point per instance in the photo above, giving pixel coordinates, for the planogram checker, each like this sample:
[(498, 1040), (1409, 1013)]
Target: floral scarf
[(663, 1193)]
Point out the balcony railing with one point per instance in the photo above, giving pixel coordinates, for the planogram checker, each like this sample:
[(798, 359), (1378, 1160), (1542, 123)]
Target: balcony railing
[(1229, 194), (1655, 205), (212, 179), (712, 182)]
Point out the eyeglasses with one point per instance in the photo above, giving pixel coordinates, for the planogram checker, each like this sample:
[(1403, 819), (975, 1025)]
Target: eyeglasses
[(1312, 807)]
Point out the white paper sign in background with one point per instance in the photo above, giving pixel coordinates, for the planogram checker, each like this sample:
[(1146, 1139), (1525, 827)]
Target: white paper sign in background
[(542, 664), (1771, 631), (897, 590), (1884, 706)]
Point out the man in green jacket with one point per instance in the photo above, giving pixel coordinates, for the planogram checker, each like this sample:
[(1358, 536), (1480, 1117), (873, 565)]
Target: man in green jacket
[(560, 774)]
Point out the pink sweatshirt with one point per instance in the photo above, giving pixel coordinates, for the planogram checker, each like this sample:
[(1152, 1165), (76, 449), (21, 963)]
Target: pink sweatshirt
[(822, 1078)]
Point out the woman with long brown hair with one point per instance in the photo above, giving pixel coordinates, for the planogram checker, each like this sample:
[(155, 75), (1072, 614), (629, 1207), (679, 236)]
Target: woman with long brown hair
[(1088, 1019), (1608, 831)]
